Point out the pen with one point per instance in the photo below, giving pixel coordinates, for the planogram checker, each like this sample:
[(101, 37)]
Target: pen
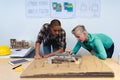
[(17, 66)]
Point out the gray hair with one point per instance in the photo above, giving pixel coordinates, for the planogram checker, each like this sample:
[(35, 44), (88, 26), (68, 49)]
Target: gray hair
[(80, 28)]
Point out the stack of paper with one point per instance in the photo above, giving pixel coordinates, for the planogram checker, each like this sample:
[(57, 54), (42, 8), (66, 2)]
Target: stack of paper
[(21, 53)]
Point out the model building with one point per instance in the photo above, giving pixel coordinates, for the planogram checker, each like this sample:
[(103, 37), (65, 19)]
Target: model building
[(19, 44)]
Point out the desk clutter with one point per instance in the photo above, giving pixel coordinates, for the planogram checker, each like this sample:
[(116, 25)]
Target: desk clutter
[(20, 49), (18, 61), (21, 53), (18, 68), (89, 66), (16, 49), (23, 44)]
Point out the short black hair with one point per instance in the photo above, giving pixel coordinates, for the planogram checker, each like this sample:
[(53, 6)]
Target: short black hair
[(55, 22)]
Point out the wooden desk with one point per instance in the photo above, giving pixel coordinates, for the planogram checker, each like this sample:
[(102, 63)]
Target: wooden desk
[(6, 72)]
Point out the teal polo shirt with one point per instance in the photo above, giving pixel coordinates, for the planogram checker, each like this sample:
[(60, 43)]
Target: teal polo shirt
[(96, 42)]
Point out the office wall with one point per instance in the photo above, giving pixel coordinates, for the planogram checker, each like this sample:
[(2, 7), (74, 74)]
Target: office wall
[(14, 23)]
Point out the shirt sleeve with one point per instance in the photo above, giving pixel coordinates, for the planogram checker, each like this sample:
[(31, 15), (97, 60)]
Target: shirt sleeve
[(39, 38), (40, 35), (100, 50), (76, 48), (63, 40)]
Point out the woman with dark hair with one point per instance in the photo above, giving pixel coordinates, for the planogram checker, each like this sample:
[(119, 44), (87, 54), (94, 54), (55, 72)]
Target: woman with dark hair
[(53, 38)]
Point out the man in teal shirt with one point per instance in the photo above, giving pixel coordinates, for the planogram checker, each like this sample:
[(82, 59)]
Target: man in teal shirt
[(99, 45)]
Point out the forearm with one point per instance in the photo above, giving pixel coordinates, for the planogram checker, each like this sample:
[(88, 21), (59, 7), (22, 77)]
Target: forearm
[(76, 48), (37, 49), (56, 52)]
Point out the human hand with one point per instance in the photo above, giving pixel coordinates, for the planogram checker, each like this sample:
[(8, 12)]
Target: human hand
[(37, 57), (46, 56), (69, 51), (92, 52)]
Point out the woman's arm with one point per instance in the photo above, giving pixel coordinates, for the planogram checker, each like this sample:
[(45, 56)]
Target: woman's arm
[(101, 53)]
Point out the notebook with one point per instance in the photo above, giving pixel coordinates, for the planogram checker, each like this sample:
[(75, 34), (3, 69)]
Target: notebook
[(13, 62), (21, 52)]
